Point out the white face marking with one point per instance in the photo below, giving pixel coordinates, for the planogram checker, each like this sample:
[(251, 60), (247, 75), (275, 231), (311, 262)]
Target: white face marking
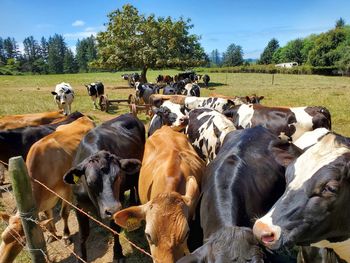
[(310, 138), (245, 113), (175, 108), (222, 123), (316, 157), (341, 248), (188, 88), (304, 121), (202, 102)]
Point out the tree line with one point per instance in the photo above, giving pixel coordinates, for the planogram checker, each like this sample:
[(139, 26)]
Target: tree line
[(330, 49), (47, 56)]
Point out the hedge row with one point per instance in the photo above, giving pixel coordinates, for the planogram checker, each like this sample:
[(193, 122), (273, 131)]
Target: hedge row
[(271, 69)]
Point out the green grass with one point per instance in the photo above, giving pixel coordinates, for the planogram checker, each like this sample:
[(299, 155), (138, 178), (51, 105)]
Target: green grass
[(25, 94)]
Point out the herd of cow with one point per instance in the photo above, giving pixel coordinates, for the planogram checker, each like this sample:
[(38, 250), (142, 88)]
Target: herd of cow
[(210, 167)]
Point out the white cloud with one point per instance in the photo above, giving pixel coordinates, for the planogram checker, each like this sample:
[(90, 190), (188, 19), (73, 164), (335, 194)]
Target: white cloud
[(78, 23), (77, 35)]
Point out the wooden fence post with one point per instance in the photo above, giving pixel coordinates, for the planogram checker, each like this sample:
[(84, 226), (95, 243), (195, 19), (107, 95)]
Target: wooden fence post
[(26, 207)]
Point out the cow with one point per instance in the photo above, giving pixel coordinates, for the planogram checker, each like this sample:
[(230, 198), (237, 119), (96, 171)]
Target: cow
[(170, 90), (206, 80), (314, 207), (218, 104), (106, 165), (206, 131), (53, 153), (310, 138), (243, 181), (164, 79), (191, 90), (290, 122), (17, 142), (95, 90), (63, 96), (170, 114), (184, 75), (169, 183), (229, 244), (32, 119), (145, 90)]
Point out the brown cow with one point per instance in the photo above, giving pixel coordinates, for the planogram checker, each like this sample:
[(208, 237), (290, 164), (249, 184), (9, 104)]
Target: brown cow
[(47, 161), (32, 119), (169, 190)]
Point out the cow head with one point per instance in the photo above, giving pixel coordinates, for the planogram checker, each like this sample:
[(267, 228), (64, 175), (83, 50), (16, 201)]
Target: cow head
[(315, 204), (229, 244), (12, 238), (166, 219), (91, 89), (103, 176), (253, 99)]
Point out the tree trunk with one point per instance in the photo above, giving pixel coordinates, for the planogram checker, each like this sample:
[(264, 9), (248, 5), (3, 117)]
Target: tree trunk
[(143, 75)]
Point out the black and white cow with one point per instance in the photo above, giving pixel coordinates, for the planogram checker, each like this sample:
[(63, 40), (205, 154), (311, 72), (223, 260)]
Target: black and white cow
[(206, 80), (170, 90), (206, 131), (106, 165), (145, 90), (314, 209), (291, 122), (191, 89), (218, 104), (95, 90), (63, 96), (170, 114)]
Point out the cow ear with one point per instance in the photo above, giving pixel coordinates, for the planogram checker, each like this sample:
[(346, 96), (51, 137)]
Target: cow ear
[(248, 99), (74, 174), (192, 192), (284, 152), (131, 217), (53, 93), (261, 97), (130, 166), (5, 217)]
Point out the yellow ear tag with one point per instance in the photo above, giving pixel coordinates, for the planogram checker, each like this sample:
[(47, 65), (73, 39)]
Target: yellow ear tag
[(75, 178), (132, 224)]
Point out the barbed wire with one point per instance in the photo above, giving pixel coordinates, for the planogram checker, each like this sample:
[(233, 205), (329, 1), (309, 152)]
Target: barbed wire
[(84, 213)]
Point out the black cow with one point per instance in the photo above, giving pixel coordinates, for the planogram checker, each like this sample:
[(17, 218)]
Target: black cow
[(170, 90), (206, 80), (314, 208), (229, 244), (131, 78), (243, 181), (145, 90), (17, 142), (95, 90), (165, 79), (107, 164), (290, 122)]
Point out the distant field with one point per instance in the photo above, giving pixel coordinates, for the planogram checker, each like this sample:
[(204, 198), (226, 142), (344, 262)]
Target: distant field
[(25, 94)]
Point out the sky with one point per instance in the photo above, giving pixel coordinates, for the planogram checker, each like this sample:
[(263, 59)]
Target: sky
[(249, 23)]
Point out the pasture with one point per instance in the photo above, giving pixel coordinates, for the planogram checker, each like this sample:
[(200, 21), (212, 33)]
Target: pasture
[(28, 94)]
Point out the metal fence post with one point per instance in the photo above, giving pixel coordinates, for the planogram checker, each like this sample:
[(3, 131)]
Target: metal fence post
[(26, 206)]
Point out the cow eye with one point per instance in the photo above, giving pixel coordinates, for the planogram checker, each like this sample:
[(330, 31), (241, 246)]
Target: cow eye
[(330, 189), (149, 239)]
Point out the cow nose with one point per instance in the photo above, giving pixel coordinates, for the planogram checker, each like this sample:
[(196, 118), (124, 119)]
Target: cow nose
[(108, 213), (264, 233), (63, 102)]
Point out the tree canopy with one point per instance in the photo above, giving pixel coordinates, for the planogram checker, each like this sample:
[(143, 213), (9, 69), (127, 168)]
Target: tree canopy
[(135, 41), (233, 56), (266, 56)]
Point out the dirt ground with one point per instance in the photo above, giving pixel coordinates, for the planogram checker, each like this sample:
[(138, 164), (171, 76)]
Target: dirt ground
[(99, 244)]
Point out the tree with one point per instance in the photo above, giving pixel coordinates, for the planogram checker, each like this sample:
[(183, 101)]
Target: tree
[(270, 49), (233, 56), (56, 51), (340, 23), (86, 52), (69, 63), (136, 41), (2, 52), (31, 54), (10, 48), (215, 57)]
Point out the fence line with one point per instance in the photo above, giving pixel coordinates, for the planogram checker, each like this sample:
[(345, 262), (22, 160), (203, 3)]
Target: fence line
[(86, 214)]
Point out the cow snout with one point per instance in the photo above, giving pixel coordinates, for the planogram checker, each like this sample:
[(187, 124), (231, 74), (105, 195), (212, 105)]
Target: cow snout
[(111, 210), (266, 234), (63, 102)]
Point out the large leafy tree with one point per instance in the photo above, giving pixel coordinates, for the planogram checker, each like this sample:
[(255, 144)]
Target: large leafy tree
[(270, 49), (135, 41), (233, 56)]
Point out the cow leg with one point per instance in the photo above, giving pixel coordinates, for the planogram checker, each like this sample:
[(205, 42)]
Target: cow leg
[(2, 174), (50, 226), (64, 215), (84, 231), (117, 249), (94, 102)]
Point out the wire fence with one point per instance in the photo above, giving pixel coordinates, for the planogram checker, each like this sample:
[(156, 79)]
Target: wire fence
[(57, 251)]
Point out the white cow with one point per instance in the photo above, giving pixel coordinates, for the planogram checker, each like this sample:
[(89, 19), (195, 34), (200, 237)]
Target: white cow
[(64, 96)]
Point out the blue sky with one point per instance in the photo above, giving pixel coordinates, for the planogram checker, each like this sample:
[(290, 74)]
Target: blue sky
[(250, 23)]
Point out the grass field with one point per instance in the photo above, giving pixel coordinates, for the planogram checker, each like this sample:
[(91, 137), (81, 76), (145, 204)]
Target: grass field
[(27, 94)]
